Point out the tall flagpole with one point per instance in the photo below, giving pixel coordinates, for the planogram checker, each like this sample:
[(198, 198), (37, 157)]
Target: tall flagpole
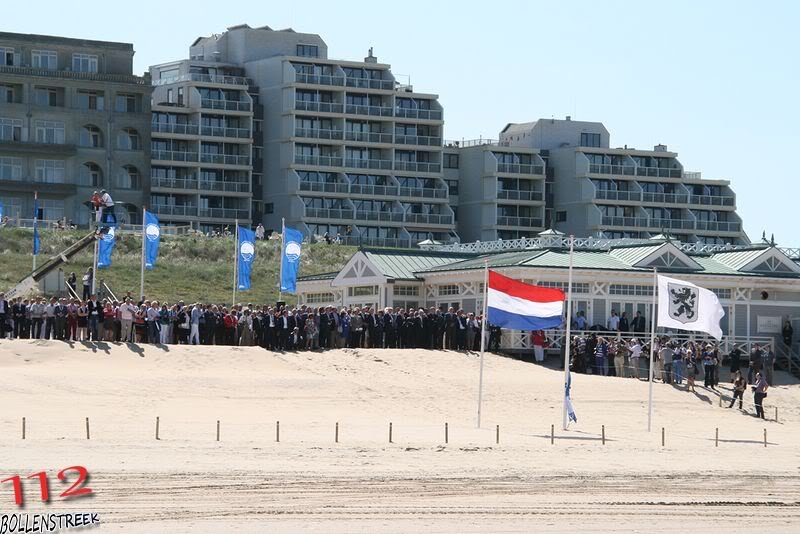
[(652, 349), (235, 262), (283, 248), (144, 239), (568, 339), (35, 223), (483, 334)]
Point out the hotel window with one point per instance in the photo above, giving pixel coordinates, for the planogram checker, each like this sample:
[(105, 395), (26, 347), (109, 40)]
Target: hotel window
[(319, 298), (307, 50), (450, 161), (45, 96), (128, 139), (448, 289), (50, 210), (10, 168), (91, 137), (590, 140), (50, 171), (91, 100), (8, 57), (10, 129), (129, 178), (125, 103), (51, 132), (362, 291), (84, 63), (44, 59), (90, 175), (561, 216), (7, 94)]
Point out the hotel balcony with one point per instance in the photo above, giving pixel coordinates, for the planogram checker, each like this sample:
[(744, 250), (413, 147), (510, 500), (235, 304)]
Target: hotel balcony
[(428, 218), (174, 155), (615, 170), (225, 159), (224, 186), (718, 226), (175, 211), (712, 200), (175, 128), (328, 214), (519, 168), (371, 111), (658, 172), (218, 79), (225, 213), (368, 83), (511, 194), (375, 190), (318, 133), (617, 195), (665, 198), (423, 192), (354, 163), (368, 137), (318, 79), (321, 161), (323, 187), (173, 183), (320, 107), (420, 140), (672, 224), (225, 105), (626, 222), (415, 166), (415, 113), (385, 216), (220, 131)]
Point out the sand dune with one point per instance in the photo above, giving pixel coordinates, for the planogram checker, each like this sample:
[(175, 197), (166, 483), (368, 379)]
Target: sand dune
[(189, 482)]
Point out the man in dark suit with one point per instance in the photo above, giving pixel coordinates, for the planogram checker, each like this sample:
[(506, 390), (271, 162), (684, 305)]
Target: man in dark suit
[(18, 311), (638, 324), (450, 326), (5, 311), (95, 311), (461, 331), (61, 320), (285, 326), (324, 328), (388, 328)]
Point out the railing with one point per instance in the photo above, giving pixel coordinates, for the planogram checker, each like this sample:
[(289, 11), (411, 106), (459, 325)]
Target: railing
[(527, 222), (392, 242), (718, 226), (182, 211), (208, 78), (692, 175), (229, 187), (322, 107), (618, 170), (329, 213), (374, 190), (712, 200), (318, 79), (173, 183), (520, 168), (658, 172), (324, 161), (173, 155), (375, 111), (368, 137), (222, 131), (422, 192), (464, 143), (318, 133), (612, 194), (224, 213), (513, 194), (665, 198), (228, 105), (367, 83), (379, 216), (428, 218), (787, 359), (356, 163), (174, 128), (415, 113), (416, 166), (323, 187), (225, 159), (72, 75), (628, 222), (674, 224), (421, 140)]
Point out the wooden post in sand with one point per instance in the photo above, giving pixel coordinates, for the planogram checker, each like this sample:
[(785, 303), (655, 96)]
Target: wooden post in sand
[(23, 428), (716, 438), (446, 434), (336, 438), (87, 428), (158, 420), (217, 429), (776, 414), (662, 436), (390, 432), (603, 429), (497, 435), (720, 400), (552, 434), (277, 431), (765, 437)]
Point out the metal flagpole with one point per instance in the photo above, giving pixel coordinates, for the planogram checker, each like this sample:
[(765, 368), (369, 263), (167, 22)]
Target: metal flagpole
[(144, 239), (568, 340), (94, 263), (652, 349), (235, 262), (283, 250), (35, 222), (483, 334)]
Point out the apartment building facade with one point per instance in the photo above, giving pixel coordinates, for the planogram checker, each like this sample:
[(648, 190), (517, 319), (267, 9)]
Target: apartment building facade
[(73, 119), (347, 150), (202, 137)]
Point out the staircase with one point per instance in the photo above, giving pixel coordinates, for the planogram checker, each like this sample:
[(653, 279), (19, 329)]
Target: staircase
[(787, 358)]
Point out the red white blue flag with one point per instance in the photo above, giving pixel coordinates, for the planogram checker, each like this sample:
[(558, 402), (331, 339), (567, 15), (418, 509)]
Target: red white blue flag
[(518, 306)]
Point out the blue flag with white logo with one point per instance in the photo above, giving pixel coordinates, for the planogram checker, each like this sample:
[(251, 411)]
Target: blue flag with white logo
[(290, 259), (37, 244), (247, 253), (152, 236), (105, 247)]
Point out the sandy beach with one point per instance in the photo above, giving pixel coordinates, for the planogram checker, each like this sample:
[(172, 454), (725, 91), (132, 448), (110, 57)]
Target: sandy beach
[(187, 481)]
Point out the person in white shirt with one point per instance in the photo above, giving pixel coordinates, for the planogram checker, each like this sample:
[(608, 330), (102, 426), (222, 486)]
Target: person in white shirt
[(126, 313), (105, 212), (636, 352), (613, 322)]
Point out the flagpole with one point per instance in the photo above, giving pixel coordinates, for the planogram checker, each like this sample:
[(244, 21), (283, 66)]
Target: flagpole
[(483, 334), (283, 251), (94, 264), (652, 350), (144, 239), (235, 262), (568, 340), (35, 224)]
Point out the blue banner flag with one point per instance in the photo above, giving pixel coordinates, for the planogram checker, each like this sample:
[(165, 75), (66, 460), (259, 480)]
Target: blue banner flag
[(37, 244), (290, 259), (1, 211), (247, 253), (105, 247), (152, 236)]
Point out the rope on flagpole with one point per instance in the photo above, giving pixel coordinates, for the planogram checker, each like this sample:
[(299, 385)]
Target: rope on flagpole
[(568, 340), (653, 318), (483, 333), (235, 262)]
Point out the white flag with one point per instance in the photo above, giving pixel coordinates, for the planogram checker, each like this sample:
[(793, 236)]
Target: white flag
[(685, 306)]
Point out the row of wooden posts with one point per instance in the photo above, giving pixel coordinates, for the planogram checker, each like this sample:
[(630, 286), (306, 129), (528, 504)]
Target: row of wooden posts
[(446, 432)]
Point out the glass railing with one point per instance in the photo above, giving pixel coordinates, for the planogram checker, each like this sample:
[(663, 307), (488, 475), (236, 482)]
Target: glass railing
[(173, 183), (392, 242), (428, 218), (374, 190), (318, 79), (368, 137), (612, 194), (323, 187), (227, 105), (423, 192), (229, 187), (527, 222), (674, 224), (416, 166), (640, 222), (329, 213), (719, 226), (658, 172), (181, 211), (415, 113), (374, 111), (324, 161), (421, 140), (322, 107), (173, 155), (712, 200), (174, 128), (618, 170), (318, 133), (366, 83), (224, 213), (511, 194), (356, 163), (225, 159), (198, 77), (520, 168), (665, 198), (221, 131), (386, 216)]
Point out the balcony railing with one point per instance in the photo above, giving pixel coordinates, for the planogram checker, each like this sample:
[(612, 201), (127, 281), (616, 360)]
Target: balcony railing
[(368, 137), (356, 163), (526, 222), (224, 213), (415, 113), (520, 168), (366, 83), (227, 105), (174, 128), (385, 216), (428, 218), (374, 190), (611, 194), (173, 155), (329, 213), (221, 131), (225, 159), (627, 222), (712, 200), (617, 170), (73, 75), (422, 192), (228, 187), (718, 226), (665, 198), (318, 133), (416, 166), (512, 194), (208, 78), (173, 183), (421, 140), (318, 79), (181, 211), (324, 161), (392, 242), (658, 172), (322, 107), (324, 187), (374, 111), (674, 224)]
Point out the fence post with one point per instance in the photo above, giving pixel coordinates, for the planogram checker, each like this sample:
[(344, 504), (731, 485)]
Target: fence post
[(157, 425), (662, 436), (390, 432), (446, 434), (23, 428), (87, 428), (336, 437), (716, 437), (497, 437), (277, 431), (552, 434), (217, 429), (604, 434), (765, 437)]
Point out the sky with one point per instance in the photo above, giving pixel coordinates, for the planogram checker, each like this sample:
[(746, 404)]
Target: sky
[(715, 81)]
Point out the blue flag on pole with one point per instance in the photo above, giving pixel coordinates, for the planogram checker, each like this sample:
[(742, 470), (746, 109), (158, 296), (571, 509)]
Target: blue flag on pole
[(247, 253), (290, 259), (568, 400), (152, 235), (105, 247), (37, 244)]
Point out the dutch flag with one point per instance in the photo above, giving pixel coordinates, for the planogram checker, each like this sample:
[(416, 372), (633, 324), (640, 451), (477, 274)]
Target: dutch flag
[(512, 304)]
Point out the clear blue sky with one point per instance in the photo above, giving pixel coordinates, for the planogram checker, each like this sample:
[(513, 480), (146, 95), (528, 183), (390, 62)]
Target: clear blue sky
[(716, 81)]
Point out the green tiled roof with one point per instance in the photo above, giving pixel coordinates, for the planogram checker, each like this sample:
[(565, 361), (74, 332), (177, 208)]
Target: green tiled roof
[(402, 264), (736, 259), (634, 254), (315, 277)]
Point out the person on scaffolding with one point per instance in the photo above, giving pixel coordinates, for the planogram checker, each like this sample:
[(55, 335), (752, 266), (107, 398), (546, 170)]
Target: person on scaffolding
[(104, 210)]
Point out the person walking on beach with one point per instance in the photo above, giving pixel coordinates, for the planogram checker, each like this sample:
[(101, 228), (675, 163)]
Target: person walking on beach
[(739, 385), (759, 392), (691, 371)]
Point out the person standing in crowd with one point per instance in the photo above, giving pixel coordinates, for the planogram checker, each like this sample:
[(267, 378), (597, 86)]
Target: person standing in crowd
[(624, 325), (787, 333), (735, 358), (37, 318), (691, 370), (5, 310), (666, 354), (83, 321), (246, 329), (95, 317), (538, 341), (19, 310), (72, 320), (600, 357), (768, 365), (580, 321), (344, 333), (636, 354), (311, 333), (709, 364), (356, 329), (164, 323), (450, 320), (88, 278), (639, 325), (50, 319), (127, 311), (739, 385), (61, 320), (110, 313), (759, 392), (755, 363), (613, 322), (194, 315)]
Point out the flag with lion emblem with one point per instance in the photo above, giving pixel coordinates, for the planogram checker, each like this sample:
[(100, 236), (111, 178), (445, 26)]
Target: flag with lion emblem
[(685, 306)]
